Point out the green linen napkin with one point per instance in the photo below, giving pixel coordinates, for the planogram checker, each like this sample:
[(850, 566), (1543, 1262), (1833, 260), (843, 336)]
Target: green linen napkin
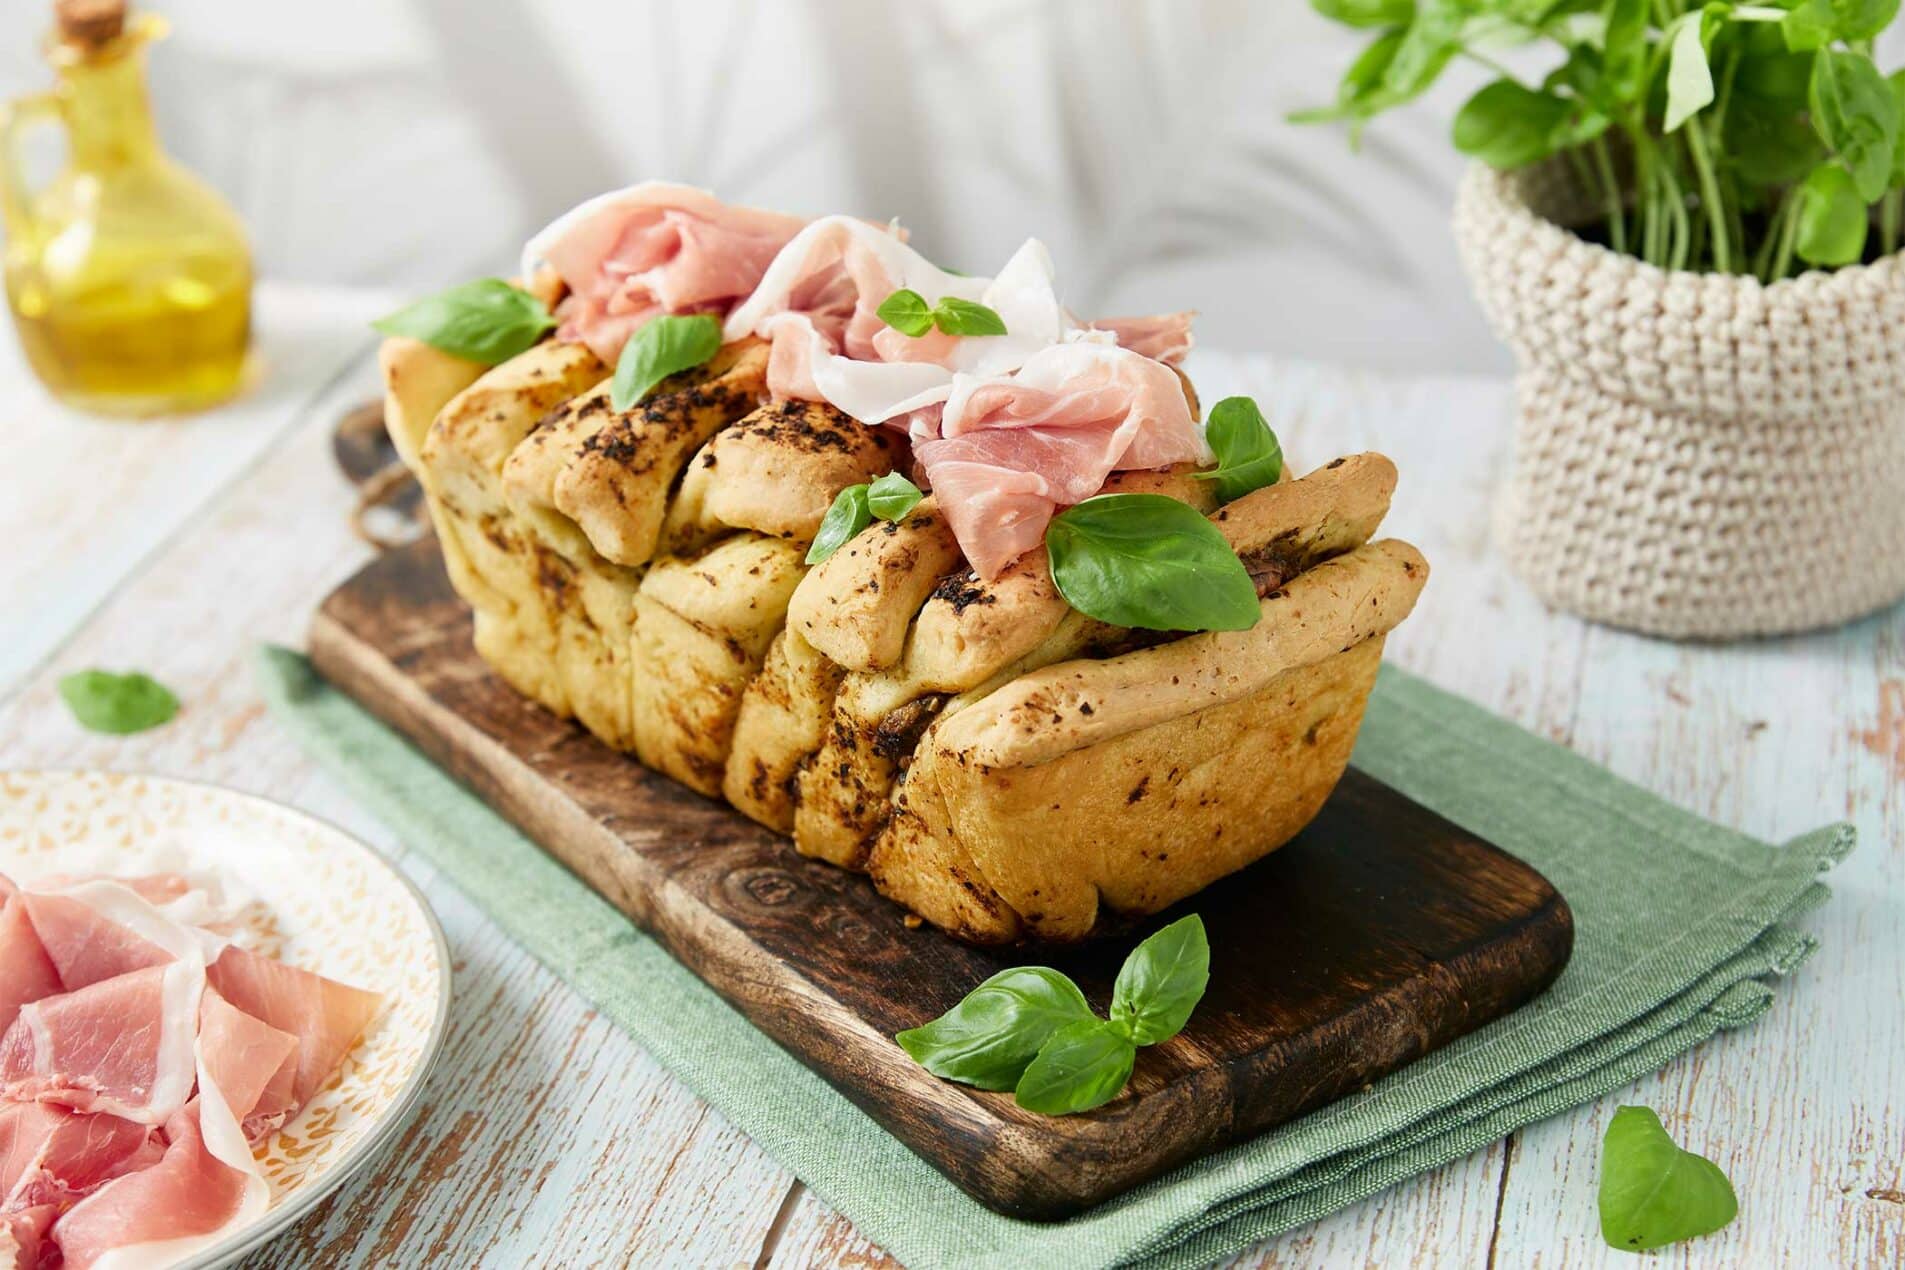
[(1680, 925)]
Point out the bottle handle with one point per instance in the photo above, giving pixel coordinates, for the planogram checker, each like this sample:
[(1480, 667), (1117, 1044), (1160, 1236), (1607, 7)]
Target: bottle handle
[(16, 118)]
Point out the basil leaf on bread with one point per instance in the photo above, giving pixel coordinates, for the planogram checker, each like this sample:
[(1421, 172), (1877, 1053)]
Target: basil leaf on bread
[(487, 321), (1150, 562)]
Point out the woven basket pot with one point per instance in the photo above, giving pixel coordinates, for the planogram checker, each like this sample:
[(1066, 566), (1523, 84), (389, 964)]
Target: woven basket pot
[(1696, 455)]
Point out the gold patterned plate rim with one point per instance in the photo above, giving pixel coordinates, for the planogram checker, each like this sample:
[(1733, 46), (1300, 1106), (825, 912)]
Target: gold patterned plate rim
[(339, 915)]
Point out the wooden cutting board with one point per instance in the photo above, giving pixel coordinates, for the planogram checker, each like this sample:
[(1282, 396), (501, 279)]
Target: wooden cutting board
[(1382, 932)]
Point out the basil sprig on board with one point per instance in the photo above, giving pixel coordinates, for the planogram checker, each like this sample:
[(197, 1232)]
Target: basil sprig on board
[(1151, 562), (890, 498), (1029, 1029), (1653, 1193), (664, 346), (907, 312), (486, 321), (117, 703), (1248, 454)]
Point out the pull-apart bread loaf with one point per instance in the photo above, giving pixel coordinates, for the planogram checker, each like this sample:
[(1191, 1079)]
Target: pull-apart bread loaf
[(923, 704)]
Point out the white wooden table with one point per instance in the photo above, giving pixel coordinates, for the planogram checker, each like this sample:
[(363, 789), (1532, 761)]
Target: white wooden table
[(548, 1138)]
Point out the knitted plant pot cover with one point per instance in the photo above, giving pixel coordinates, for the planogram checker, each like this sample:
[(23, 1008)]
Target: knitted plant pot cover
[(1695, 455)]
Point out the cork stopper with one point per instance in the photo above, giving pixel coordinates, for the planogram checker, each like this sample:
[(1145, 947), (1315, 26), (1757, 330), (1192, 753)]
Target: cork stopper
[(90, 24)]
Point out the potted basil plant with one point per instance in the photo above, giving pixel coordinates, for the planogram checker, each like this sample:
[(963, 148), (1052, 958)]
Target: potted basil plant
[(1687, 230)]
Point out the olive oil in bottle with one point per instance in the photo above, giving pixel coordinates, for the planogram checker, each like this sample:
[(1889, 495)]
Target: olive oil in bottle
[(129, 279)]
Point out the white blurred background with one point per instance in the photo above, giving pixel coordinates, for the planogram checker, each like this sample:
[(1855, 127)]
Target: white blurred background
[(409, 143)]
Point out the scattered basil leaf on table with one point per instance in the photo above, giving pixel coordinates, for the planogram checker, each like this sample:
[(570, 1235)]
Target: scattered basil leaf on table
[(664, 346), (989, 1039), (907, 312), (1832, 218), (1081, 1067), (1653, 1193), (120, 704), (485, 321), (1162, 981), (1689, 77), (1248, 454), (1856, 114), (847, 517), (1151, 562), (1029, 1029), (892, 496)]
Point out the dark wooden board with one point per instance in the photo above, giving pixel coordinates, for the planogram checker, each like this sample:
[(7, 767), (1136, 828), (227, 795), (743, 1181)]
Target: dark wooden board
[(1382, 932)]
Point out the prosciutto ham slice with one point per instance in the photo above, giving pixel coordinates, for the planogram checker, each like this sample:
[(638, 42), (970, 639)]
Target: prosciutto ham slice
[(1012, 449), (326, 1016), (143, 1057), (654, 248)]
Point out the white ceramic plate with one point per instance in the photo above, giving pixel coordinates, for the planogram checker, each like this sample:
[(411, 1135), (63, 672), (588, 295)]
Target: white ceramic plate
[(312, 895)]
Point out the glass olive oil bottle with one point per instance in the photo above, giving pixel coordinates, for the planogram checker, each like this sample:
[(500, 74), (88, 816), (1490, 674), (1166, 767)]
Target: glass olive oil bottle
[(129, 279)]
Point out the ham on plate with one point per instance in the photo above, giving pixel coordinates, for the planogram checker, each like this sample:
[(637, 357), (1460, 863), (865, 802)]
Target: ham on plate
[(1013, 449), (143, 1059), (652, 249)]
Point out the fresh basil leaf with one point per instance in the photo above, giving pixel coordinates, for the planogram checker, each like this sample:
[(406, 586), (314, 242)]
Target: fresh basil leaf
[(847, 517), (1248, 455), (892, 496), (1813, 24), (1898, 149), (485, 321), (1432, 39), (1768, 143), (1507, 125), (1689, 78), (991, 1036), (1147, 561), (1653, 1193), (1832, 218), (955, 316), (1364, 13), (1162, 981), (1625, 50), (1082, 1066), (120, 704), (906, 312), (1856, 114), (664, 346)]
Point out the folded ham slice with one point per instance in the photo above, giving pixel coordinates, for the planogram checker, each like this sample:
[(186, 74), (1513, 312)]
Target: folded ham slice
[(1164, 337), (51, 1156), (204, 1185), (1012, 449), (651, 249), (23, 1241), (326, 1016), (26, 972), (122, 1046)]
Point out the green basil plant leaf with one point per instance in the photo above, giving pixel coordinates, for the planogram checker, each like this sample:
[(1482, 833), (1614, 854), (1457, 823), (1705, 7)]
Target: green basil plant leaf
[(119, 704), (955, 316), (1162, 981), (1248, 455), (1364, 13), (1856, 114), (1427, 46), (906, 312), (1832, 218), (1625, 49), (1813, 24), (849, 514), (1689, 78), (990, 1037), (1507, 125), (1898, 150), (1151, 562), (485, 321), (664, 346), (1082, 1066), (1652, 1192), (892, 496)]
